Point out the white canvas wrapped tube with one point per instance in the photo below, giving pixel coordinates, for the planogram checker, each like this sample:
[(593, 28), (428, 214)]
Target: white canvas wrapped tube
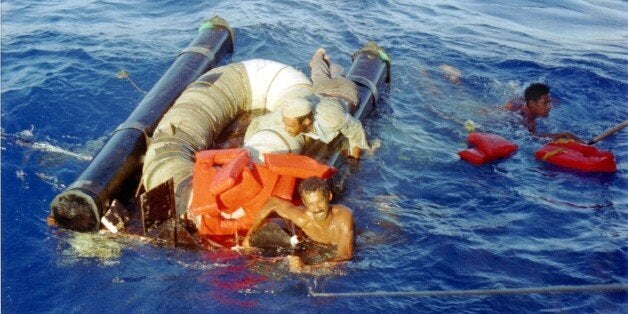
[(208, 105), (270, 80)]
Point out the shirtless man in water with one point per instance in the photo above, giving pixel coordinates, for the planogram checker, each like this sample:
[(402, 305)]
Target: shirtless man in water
[(319, 220), (537, 105)]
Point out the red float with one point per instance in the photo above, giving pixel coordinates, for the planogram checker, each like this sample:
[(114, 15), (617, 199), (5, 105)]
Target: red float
[(487, 148), (578, 156)]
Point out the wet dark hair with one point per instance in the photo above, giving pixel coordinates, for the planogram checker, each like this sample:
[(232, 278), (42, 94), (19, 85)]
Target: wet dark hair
[(535, 91), (313, 184)]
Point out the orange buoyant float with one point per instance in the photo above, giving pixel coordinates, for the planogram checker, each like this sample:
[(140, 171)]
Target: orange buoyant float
[(218, 156), (226, 177), (268, 181), (243, 190), (202, 202), (578, 156), (285, 187), (298, 166), (487, 147), (228, 190)]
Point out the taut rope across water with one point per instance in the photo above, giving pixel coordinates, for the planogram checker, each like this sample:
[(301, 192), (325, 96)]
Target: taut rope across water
[(601, 288)]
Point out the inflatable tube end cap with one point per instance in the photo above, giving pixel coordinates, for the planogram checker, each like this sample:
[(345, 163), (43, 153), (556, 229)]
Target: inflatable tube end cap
[(76, 210)]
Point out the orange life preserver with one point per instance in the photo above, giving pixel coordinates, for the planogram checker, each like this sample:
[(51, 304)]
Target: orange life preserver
[(226, 177), (218, 156), (578, 156), (268, 180), (202, 202), (298, 166), (228, 198), (243, 190), (487, 147), (285, 187)]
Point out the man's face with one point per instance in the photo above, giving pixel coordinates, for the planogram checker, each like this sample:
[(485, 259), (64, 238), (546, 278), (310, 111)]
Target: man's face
[(316, 204), (541, 107), (292, 126)]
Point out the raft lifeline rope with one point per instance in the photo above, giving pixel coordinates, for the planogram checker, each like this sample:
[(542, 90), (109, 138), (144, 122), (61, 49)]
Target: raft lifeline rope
[(601, 288)]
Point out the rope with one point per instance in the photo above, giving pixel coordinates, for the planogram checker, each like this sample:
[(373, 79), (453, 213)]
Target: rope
[(601, 288), (366, 82)]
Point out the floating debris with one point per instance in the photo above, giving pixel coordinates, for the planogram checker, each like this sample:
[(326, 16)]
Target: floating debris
[(92, 245), (470, 126), (122, 74), (451, 73)]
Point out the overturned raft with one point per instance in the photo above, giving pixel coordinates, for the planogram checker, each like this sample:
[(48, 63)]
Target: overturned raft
[(115, 168)]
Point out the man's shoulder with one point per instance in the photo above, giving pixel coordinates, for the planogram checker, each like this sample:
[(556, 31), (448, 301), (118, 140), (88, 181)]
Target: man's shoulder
[(515, 104), (342, 211)]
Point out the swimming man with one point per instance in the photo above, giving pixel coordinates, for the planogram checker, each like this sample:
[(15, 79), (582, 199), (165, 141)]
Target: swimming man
[(537, 105)]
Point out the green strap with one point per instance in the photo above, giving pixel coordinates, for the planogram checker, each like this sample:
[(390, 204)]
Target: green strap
[(384, 56), (205, 26)]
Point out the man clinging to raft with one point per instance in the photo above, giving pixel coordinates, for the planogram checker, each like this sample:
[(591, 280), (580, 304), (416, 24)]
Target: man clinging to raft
[(537, 105), (319, 220), (321, 112)]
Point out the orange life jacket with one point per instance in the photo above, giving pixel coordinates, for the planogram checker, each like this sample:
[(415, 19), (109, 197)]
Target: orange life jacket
[(228, 198), (285, 187), (218, 156), (298, 166), (226, 177)]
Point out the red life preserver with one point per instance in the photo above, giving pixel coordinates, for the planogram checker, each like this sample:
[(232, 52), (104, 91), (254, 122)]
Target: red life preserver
[(487, 147), (228, 198), (578, 156), (472, 155)]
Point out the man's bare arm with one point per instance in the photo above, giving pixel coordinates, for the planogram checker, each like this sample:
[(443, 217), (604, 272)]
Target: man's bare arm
[(282, 207), (268, 208), (344, 244), (557, 136)]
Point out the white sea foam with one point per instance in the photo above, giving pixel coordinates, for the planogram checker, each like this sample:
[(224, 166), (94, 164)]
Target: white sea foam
[(52, 180), (26, 134), (50, 148)]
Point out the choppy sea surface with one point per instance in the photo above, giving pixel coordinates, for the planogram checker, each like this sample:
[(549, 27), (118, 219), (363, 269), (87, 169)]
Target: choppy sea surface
[(424, 219)]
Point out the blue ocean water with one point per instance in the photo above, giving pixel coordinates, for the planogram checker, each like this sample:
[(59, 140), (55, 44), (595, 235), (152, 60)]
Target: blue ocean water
[(424, 219)]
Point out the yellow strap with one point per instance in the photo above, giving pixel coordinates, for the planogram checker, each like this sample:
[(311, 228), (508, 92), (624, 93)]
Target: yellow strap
[(553, 153), (563, 141)]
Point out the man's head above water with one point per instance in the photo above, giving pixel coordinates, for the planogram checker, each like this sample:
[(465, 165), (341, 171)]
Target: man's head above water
[(538, 100), (316, 196), (296, 111), (297, 125), (314, 184)]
